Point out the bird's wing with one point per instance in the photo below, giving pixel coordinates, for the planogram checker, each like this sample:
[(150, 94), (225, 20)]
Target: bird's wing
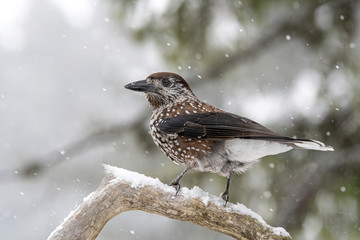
[(216, 125), (223, 126)]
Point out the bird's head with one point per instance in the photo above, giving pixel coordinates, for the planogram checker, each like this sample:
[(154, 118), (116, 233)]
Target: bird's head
[(163, 88)]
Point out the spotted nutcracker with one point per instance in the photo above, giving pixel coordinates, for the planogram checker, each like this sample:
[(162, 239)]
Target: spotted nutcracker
[(206, 138)]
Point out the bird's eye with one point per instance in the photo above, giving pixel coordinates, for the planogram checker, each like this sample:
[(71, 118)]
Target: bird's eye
[(166, 82)]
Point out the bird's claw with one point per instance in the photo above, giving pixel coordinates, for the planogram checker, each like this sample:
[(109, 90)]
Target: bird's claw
[(225, 196), (176, 185)]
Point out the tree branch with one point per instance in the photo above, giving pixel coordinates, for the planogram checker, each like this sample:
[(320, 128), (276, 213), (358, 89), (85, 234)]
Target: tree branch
[(122, 190)]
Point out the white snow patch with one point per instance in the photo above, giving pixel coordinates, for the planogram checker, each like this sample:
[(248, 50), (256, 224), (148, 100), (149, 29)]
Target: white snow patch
[(242, 209), (89, 197), (196, 192), (280, 231), (136, 179), (207, 198)]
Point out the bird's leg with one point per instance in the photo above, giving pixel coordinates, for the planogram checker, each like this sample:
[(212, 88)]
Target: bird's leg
[(176, 183), (225, 195)]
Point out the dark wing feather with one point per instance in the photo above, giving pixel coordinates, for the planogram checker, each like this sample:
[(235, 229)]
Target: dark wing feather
[(183, 124), (217, 125)]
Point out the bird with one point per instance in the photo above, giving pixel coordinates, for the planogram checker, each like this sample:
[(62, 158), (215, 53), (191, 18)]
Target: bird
[(206, 138)]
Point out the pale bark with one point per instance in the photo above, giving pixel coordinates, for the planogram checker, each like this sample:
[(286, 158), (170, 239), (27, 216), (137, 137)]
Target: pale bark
[(122, 190)]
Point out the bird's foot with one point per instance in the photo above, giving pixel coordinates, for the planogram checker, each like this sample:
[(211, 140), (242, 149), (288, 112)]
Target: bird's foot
[(225, 196), (176, 185)]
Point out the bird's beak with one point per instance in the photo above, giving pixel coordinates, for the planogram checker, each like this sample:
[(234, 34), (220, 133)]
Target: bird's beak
[(140, 86)]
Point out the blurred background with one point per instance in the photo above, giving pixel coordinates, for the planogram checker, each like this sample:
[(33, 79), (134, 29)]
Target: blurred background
[(292, 66)]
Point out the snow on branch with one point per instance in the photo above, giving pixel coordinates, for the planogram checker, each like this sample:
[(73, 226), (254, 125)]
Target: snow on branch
[(122, 190)]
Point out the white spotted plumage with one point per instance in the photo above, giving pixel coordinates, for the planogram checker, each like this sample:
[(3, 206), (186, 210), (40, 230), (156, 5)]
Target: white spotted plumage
[(204, 137)]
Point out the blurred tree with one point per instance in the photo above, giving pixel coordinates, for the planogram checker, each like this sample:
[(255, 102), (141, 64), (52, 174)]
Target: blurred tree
[(183, 30)]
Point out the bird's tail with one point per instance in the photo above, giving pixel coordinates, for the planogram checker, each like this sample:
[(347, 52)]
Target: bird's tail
[(310, 144), (299, 143)]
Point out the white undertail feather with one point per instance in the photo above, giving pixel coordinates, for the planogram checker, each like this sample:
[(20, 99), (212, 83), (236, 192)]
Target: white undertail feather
[(313, 145), (248, 150)]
